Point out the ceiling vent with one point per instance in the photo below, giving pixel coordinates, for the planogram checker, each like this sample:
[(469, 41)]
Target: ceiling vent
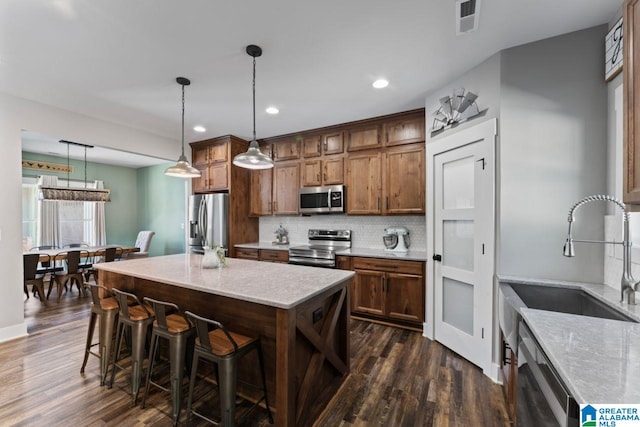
[(467, 14)]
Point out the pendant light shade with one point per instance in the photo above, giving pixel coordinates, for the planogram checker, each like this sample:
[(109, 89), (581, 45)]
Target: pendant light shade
[(183, 169), (253, 158)]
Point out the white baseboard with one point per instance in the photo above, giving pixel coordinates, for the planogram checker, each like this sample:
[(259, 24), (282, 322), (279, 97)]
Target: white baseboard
[(494, 373), (12, 332)]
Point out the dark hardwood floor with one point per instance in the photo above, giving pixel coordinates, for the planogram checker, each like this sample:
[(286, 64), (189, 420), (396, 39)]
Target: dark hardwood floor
[(398, 378)]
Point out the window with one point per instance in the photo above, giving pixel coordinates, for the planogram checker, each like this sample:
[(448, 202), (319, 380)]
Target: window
[(75, 219)]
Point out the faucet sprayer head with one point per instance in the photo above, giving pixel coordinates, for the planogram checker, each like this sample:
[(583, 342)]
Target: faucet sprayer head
[(568, 249)]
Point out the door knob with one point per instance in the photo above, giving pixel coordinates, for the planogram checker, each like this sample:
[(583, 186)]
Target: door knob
[(437, 257)]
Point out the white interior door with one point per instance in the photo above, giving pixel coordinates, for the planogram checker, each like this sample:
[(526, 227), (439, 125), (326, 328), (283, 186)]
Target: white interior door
[(463, 242)]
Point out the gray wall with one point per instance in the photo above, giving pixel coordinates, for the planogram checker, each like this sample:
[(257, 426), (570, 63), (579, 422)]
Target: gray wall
[(550, 99), (553, 153)]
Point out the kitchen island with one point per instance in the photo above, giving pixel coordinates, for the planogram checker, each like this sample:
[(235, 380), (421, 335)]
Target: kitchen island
[(301, 315)]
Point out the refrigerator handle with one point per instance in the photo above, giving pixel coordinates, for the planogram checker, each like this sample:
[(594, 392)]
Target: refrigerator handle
[(200, 221), (203, 221)]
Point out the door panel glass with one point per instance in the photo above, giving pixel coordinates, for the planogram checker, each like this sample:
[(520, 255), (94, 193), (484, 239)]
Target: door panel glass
[(457, 304), (457, 244), (457, 183)]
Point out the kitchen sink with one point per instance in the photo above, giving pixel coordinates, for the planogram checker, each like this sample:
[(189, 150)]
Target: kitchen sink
[(515, 296), (566, 300)]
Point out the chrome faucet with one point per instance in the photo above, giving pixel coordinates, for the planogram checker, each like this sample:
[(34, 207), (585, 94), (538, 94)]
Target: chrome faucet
[(629, 285)]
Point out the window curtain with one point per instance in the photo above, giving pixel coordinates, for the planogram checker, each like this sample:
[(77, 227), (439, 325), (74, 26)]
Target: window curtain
[(48, 225), (99, 227)]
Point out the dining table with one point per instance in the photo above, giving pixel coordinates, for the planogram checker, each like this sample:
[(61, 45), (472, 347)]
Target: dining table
[(61, 254)]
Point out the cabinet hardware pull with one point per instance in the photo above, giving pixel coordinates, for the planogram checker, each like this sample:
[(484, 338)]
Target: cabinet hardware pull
[(378, 203), (325, 176), (325, 145), (318, 146), (387, 202), (318, 178)]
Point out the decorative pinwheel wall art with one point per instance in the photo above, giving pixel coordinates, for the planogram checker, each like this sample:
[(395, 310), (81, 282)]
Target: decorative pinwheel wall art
[(455, 109)]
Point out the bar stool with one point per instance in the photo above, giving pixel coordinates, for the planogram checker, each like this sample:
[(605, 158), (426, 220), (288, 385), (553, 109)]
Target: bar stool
[(138, 317), (172, 325), (105, 310), (223, 348)]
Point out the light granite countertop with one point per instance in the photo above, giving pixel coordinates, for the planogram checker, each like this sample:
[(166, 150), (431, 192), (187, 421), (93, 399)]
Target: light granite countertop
[(360, 252), (272, 284), (598, 359)]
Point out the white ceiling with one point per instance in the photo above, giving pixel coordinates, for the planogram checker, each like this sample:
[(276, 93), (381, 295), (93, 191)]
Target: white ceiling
[(35, 142), (118, 59)]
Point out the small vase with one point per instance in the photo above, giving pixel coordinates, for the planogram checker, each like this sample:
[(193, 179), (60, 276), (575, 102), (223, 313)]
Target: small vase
[(211, 259)]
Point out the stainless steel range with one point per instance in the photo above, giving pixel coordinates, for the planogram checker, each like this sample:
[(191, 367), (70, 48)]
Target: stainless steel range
[(322, 247)]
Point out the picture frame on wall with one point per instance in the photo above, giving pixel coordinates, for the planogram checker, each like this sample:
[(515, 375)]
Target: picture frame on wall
[(613, 44)]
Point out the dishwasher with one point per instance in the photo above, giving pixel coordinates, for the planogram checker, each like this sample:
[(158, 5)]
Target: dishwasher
[(543, 399)]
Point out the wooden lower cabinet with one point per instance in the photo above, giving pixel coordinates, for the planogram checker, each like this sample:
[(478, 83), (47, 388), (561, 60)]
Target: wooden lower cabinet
[(274, 256), (509, 368), (281, 256), (389, 291)]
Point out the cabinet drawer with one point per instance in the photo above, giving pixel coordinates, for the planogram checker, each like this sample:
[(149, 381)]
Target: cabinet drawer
[(274, 256), (247, 253), (381, 264)]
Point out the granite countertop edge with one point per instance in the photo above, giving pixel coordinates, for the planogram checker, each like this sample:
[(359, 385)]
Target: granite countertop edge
[(412, 255)]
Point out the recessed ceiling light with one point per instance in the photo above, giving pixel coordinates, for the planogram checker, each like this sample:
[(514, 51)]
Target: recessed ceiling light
[(272, 110), (380, 83), (199, 128)]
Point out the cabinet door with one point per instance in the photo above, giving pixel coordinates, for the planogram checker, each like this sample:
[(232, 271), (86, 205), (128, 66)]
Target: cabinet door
[(363, 138), (404, 131), (364, 179), (405, 180), (200, 155), (333, 143), (333, 172), (267, 255), (246, 253), (200, 184), (218, 177), (368, 295), (312, 173), (286, 181), (287, 149), (404, 294), (261, 192), (312, 146), (218, 153), (631, 100)]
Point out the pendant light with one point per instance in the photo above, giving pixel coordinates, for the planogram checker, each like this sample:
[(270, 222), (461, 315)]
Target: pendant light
[(183, 169), (253, 158), (74, 194)]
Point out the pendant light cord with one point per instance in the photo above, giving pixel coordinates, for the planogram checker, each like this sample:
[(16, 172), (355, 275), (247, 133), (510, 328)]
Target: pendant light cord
[(85, 167), (68, 168), (254, 98), (183, 120)]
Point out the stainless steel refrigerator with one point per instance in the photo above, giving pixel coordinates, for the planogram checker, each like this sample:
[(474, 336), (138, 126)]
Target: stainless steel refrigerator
[(208, 221)]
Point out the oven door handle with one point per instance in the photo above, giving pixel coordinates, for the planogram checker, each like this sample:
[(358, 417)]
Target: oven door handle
[(312, 262)]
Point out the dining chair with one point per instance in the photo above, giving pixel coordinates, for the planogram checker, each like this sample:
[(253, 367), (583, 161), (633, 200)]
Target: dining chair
[(49, 266), (31, 276), (71, 274), (143, 241), (109, 254)]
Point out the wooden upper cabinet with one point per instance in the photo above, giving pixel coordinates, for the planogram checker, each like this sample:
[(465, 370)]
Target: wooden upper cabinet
[(218, 178), (261, 192), (631, 99), (364, 182), (219, 153), (286, 149), (200, 155), (312, 146), (333, 170), (312, 173), (405, 180), (404, 131), (200, 184), (363, 138), (333, 143), (286, 183)]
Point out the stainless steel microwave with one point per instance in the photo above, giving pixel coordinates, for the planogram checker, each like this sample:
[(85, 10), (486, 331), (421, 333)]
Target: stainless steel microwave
[(327, 199)]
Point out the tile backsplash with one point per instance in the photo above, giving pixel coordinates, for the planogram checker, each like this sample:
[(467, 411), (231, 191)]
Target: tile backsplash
[(367, 231)]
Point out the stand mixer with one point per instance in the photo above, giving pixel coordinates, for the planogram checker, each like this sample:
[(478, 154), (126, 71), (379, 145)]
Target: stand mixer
[(396, 239)]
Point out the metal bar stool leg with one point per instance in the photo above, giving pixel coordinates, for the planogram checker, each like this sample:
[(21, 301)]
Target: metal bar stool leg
[(116, 356), (177, 348), (228, 373), (92, 324), (152, 359), (138, 337), (192, 383), (107, 322)]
